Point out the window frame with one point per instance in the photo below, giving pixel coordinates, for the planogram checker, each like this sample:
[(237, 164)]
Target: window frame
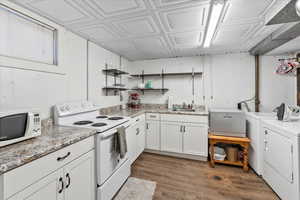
[(62, 46), (40, 23)]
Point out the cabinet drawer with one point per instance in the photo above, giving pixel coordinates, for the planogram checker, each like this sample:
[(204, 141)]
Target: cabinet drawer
[(184, 118), (139, 118), (152, 116), (19, 178)]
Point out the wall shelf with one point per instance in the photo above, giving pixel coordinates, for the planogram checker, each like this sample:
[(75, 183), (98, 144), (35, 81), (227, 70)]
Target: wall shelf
[(114, 72), (163, 90), (163, 75), (115, 88), (169, 74)]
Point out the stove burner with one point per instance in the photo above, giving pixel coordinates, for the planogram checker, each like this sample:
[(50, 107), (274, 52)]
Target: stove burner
[(82, 122), (115, 118), (101, 117), (99, 124)]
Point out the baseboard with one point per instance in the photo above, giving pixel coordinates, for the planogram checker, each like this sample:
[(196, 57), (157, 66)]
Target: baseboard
[(187, 156)]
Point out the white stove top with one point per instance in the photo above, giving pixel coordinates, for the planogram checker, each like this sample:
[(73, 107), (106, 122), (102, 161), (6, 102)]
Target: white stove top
[(100, 124), (85, 115)]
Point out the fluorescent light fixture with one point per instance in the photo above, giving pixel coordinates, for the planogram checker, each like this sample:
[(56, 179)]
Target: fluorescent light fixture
[(213, 22)]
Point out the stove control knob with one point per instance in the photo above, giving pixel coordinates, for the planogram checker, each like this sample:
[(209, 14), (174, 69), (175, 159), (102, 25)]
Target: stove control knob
[(67, 108), (62, 109)]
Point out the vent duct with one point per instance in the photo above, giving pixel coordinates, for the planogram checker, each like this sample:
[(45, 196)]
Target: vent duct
[(289, 13)]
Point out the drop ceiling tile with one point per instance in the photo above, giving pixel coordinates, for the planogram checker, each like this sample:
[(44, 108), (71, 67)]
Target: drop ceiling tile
[(185, 19), (230, 35), (121, 46), (139, 26), (109, 8), (187, 52), (143, 29), (152, 46), (186, 39), (241, 11), (169, 3), (99, 33), (63, 11)]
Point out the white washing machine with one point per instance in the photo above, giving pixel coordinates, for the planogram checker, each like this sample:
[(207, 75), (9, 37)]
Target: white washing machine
[(255, 134)]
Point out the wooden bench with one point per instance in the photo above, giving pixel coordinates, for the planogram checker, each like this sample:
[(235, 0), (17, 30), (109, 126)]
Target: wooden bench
[(243, 142)]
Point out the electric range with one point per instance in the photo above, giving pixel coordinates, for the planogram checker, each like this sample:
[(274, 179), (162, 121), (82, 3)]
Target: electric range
[(112, 170)]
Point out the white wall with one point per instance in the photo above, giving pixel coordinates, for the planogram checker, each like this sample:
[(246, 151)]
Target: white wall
[(227, 79), (231, 78), (22, 88), (275, 89), (27, 84), (180, 87), (98, 57)]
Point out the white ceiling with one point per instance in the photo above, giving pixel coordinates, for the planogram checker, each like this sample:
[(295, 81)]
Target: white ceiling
[(146, 29)]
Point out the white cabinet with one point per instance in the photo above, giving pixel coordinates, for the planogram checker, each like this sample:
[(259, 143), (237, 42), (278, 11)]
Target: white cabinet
[(136, 138), (131, 142), (75, 181), (171, 137), (195, 139), (80, 178), (48, 188), (184, 138), (67, 174), (140, 132), (153, 135), (184, 134)]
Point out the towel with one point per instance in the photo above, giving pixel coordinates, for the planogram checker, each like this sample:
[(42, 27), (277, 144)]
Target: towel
[(121, 142)]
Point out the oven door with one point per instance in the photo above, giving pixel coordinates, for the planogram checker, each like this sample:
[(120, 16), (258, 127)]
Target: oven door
[(13, 126), (108, 160)]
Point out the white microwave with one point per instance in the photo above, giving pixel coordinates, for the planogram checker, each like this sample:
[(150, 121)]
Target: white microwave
[(18, 126)]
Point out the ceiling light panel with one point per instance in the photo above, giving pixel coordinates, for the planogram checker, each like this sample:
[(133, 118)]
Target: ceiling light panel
[(217, 9)]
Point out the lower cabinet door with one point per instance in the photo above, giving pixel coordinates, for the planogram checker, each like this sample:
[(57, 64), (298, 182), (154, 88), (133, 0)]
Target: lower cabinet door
[(195, 139), (131, 142), (79, 178), (49, 188), (153, 135), (171, 137), (141, 137)]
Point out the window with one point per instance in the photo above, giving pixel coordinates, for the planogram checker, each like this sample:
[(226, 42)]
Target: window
[(26, 38)]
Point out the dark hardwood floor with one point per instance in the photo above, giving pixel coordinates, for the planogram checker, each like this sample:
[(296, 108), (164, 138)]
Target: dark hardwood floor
[(181, 179)]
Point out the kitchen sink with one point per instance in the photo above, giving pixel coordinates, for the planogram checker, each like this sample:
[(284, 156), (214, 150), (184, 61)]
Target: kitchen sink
[(184, 110)]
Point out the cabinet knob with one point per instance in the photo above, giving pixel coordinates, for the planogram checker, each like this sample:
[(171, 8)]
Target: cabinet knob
[(266, 132)]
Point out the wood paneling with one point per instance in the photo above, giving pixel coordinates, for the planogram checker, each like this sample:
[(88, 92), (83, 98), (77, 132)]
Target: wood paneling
[(181, 179)]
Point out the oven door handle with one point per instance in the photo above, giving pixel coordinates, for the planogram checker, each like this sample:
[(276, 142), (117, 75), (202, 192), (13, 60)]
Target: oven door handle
[(110, 134)]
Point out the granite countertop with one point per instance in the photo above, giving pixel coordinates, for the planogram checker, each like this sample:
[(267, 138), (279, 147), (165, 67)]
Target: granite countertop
[(136, 112), (52, 139)]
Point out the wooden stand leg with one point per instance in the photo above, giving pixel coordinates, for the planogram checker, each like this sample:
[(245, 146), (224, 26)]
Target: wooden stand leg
[(211, 153), (246, 151)]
